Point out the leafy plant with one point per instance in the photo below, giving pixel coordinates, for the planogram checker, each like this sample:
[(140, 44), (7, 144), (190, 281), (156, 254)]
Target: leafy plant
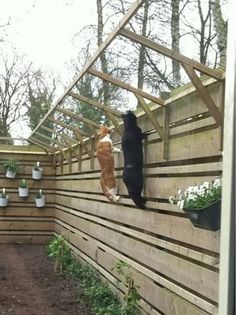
[(11, 165), (60, 251), (23, 183), (3, 193), (97, 293), (198, 197), (39, 194), (131, 297)]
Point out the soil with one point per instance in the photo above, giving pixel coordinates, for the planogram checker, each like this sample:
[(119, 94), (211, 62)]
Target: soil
[(29, 285)]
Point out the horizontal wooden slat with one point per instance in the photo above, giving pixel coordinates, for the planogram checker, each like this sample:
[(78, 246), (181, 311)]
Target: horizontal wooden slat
[(160, 187), (163, 262), (25, 239), (169, 226), (34, 226), (91, 247), (30, 212)]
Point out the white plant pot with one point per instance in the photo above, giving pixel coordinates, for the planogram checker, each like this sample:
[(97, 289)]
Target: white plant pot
[(4, 201), (23, 192), (10, 174), (40, 202), (37, 174)]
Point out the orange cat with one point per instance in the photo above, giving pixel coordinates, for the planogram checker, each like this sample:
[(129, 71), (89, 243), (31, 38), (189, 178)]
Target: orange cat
[(105, 157)]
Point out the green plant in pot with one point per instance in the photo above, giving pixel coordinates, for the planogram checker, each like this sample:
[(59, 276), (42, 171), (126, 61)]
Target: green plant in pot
[(11, 168), (39, 199), (3, 198), (23, 188), (37, 171), (202, 204)]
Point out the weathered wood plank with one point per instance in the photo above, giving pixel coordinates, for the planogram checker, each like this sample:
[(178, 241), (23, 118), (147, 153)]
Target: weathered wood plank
[(163, 262), (176, 228), (87, 245), (17, 225), (25, 239), (153, 240)]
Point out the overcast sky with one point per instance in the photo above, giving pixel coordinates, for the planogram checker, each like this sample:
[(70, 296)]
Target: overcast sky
[(44, 29)]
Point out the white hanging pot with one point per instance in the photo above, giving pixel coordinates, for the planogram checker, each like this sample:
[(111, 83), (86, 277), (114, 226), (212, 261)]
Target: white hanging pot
[(10, 174), (23, 192), (37, 174), (3, 201), (40, 202)]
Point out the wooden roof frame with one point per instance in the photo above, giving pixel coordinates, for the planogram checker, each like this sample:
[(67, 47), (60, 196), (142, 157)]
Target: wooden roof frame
[(189, 65)]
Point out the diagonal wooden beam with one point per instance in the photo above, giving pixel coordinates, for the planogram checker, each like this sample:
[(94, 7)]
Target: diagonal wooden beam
[(59, 144), (170, 53), (61, 134), (125, 86), (150, 116), (110, 112), (67, 139), (94, 103), (78, 133), (213, 109), (42, 145), (58, 147), (77, 117), (129, 14)]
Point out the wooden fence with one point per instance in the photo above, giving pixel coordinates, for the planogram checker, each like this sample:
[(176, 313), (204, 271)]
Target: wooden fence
[(174, 263), (21, 221)]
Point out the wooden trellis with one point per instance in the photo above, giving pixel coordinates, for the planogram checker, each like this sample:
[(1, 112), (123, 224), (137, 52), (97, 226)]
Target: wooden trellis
[(87, 141)]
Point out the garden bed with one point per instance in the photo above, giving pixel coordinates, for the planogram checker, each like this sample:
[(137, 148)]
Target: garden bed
[(28, 284)]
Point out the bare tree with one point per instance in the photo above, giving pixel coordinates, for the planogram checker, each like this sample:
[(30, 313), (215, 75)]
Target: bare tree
[(220, 27), (103, 58), (13, 91), (175, 38), (41, 93)]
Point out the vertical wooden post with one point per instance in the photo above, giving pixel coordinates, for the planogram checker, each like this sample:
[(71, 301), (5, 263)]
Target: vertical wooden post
[(222, 102), (92, 153), (61, 162), (166, 122), (80, 155), (70, 161), (227, 304)]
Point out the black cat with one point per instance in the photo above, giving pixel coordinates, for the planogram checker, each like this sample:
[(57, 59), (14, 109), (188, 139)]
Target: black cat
[(133, 159)]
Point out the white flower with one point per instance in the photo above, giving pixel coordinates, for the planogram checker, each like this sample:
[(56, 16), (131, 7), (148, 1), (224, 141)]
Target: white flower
[(171, 199), (201, 191), (38, 163), (3, 190), (191, 197), (190, 189), (217, 183), (206, 185), (179, 191), (195, 189), (181, 204)]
